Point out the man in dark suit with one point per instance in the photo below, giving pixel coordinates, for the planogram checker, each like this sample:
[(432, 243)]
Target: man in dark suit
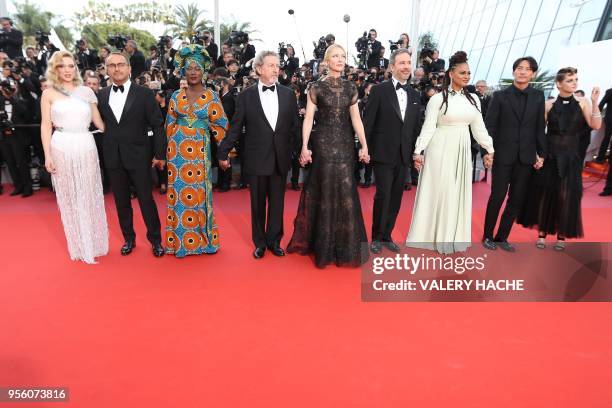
[(12, 42), (128, 111), (269, 114), (606, 100), (392, 123), (375, 47), (137, 59), (17, 106), (515, 121), (381, 62)]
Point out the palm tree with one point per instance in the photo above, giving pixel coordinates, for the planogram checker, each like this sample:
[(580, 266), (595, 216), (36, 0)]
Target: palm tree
[(543, 81), (227, 28), (30, 18), (187, 21)]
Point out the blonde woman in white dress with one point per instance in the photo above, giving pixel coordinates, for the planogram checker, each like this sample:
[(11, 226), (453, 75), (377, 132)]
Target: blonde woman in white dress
[(72, 159), (442, 214)]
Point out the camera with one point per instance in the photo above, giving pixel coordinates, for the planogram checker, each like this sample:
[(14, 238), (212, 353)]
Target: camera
[(282, 53), (364, 48), (200, 38), (426, 53), (394, 45), (238, 38), (320, 48), (42, 38), (118, 41)]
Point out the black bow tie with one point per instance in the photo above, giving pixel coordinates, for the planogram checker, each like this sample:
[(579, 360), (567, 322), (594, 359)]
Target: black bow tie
[(400, 86), (265, 88), (118, 88)]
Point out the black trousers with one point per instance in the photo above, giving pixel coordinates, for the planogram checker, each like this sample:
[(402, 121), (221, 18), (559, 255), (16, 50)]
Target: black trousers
[(390, 180), (295, 169), (601, 155), (14, 152), (267, 208), (513, 180), (142, 181), (99, 139), (608, 187)]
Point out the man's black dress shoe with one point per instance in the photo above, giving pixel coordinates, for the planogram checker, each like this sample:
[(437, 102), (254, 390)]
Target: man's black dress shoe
[(295, 186), (506, 246), (27, 193), (605, 193), (391, 246), (259, 252), (15, 192), (127, 248), (376, 247), (489, 244), (242, 186), (277, 250), (158, 250)]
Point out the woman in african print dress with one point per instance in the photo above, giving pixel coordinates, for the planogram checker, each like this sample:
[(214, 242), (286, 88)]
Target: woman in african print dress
[(195, 120)]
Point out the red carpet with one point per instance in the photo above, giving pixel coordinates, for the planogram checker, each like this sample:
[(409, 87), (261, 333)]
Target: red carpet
[(229, 331)]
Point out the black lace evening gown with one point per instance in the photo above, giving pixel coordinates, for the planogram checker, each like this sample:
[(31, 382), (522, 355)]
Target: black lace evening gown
[(329, 222), (555, 194)]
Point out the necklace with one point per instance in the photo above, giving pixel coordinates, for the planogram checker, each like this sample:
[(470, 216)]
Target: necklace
[(64, 91)]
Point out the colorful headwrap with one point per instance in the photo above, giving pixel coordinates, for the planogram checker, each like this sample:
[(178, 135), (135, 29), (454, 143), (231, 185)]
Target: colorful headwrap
[(192, 53)]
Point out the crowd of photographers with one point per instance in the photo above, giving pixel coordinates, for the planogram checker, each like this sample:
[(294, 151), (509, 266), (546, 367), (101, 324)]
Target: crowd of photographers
[(22, 81)]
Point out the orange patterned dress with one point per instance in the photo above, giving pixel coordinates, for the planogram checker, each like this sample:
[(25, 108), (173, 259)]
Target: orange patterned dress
[(190, 128)]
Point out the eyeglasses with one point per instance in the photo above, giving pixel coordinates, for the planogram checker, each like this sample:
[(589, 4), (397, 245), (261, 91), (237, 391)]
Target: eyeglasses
[(118, 65)]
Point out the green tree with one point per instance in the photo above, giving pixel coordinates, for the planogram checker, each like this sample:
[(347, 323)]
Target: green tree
[(64, 34), (104, 12), (427, 40), (187, 21), (97, 35), (30, 18)]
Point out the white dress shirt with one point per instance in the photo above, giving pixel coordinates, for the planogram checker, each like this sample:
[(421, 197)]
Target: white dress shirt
[(402, 97), (269, 103), (117, 99)]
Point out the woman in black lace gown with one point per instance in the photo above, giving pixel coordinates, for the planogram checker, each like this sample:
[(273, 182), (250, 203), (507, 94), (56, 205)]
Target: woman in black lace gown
[(553, 205), (329, 222)]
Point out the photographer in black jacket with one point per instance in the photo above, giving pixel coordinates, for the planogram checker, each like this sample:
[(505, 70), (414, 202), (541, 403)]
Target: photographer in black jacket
[(16, 108), (86, 58), (11, 39)]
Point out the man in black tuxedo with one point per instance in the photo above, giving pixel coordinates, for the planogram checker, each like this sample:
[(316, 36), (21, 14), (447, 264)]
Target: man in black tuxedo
[(128, 111), (12, 42), (515, 120), (269, 114), (392, 123), (137, 59), (606, 100)]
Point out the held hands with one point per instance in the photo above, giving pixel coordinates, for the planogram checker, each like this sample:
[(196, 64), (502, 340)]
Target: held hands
[(224, 164), (305, 156), (539, 163), (487, 160), (49, 165), (158, 163), (595, 95), (363, 155), (419, 160)]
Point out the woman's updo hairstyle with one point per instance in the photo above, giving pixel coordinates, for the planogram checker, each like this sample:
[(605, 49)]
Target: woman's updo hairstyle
[(460, 57)]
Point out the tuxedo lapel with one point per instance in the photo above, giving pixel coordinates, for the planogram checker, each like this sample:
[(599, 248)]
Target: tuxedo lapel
[(104, 106), (129, 101), (393, 98), (260, 106)]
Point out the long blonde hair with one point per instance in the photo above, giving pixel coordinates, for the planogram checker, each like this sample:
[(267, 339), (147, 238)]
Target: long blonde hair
[(51, 74)]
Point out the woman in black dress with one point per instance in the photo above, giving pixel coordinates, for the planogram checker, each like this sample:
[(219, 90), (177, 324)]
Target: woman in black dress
[(553, 205), (329, 222)]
